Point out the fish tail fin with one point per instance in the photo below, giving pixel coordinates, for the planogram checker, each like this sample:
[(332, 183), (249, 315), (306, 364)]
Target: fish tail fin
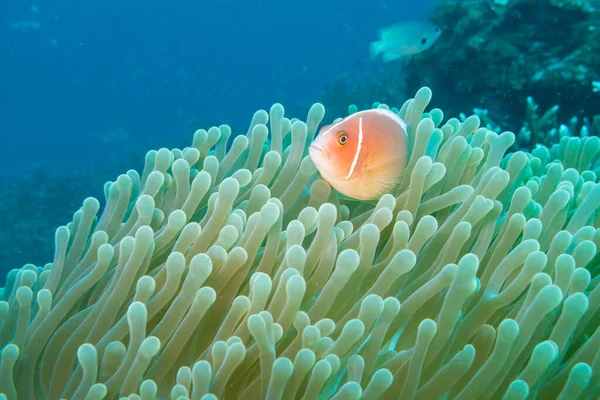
[(375, 48)]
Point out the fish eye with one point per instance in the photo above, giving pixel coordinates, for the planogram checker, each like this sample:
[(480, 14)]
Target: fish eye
[(342, 138), (423, 41)]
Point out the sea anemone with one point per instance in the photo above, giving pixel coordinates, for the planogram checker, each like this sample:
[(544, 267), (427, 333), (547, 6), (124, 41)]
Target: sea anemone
[(240, 274)]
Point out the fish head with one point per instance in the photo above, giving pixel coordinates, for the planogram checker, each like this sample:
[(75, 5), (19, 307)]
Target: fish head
[(405, 39), (432, 34), (333, 150), (428, 37)]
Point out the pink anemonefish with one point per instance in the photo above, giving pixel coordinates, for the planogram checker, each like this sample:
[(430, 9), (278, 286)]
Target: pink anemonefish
[(363, 155)]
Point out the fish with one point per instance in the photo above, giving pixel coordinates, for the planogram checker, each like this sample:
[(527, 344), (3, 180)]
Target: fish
[(404, 39), (363, 155)]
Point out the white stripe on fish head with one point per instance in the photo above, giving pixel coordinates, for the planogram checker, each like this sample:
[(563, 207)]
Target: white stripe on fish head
[(358, 148), (333, 126), (328, 131)]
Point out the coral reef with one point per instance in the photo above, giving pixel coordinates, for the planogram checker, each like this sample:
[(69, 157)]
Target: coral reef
[(238, 273), (493, 54), (541, 128)]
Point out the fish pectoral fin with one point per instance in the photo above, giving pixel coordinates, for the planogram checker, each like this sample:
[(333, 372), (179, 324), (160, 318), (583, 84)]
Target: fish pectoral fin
[(383, 178), (382, 187), (375, 48), (387, 57)]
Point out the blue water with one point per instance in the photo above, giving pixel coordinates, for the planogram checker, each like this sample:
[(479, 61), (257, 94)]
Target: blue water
[(147, 67), (84, 84)]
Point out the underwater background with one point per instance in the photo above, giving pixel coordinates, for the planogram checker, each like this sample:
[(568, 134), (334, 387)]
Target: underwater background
[(86, 90), (176, 221)]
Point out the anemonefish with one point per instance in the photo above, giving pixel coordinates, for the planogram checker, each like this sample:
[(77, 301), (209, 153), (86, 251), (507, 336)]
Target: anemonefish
[(363, 155)]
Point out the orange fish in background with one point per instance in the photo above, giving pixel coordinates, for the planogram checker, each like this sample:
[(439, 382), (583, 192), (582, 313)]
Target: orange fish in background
[(363, 155)]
